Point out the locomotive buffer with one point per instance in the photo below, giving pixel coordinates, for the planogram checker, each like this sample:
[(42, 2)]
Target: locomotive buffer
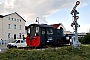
[(74, 12)]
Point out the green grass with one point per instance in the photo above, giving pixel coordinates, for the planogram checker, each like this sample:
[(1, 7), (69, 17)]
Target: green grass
[(63, 53)]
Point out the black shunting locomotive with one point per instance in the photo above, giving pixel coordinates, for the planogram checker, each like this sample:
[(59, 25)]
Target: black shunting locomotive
[(43, 34)]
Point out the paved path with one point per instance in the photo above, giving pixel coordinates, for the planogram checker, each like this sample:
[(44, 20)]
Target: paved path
[(3, 48)]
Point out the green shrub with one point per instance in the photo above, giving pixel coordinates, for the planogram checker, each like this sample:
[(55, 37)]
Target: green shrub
[(86, 39), (62, 53), (80, 39)]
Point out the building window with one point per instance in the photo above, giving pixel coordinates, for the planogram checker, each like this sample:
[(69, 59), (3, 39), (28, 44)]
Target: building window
[(20, 27), (20, 35), (14, 19), (8, 35), (14, 36), (9, 26), (17, 20), (9, 18), (20, 20), (14, 26)]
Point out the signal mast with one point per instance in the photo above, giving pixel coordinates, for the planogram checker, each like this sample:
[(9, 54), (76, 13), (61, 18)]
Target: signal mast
[(74, 12)]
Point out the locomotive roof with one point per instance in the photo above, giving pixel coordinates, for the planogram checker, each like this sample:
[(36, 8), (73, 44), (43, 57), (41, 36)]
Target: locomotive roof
[(45, 25), (41, 25)]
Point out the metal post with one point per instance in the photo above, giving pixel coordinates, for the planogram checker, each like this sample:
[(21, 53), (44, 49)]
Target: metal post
[(76, 43), (76, 34)]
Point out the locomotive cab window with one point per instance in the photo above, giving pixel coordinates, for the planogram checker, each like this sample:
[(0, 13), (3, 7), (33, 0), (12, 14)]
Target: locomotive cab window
[(43, 31), (28, 31), (50, 31), (31, 26), (37, 29)]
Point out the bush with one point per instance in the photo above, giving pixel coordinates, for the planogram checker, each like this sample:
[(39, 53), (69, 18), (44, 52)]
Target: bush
[(80, 39), (86, 39), (62, 53)]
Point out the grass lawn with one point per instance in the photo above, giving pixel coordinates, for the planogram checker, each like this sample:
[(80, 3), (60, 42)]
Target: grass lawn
[(63, 53)]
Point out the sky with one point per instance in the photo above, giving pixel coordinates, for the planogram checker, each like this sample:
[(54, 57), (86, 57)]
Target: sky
[(49, 11)]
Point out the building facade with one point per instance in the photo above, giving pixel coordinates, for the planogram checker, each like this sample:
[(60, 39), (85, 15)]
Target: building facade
[(12, 26)]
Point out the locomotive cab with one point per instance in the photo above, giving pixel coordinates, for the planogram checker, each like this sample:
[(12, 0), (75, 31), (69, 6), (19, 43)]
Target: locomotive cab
[(43, 34), (46, 34), (39, 34)]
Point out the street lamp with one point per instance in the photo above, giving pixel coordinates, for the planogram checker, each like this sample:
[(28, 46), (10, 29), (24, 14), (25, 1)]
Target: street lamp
[(37, 20)]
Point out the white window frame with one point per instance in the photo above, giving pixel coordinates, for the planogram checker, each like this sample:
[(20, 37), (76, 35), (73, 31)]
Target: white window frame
[(14, 26), (8, 18), (20, 27), (14, 19), (9, 26), (17, 20), (9, 35)]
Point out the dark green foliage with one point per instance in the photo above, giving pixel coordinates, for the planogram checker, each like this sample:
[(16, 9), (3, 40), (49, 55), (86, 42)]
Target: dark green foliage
[(86, 39), (62, 53), (80, 39)]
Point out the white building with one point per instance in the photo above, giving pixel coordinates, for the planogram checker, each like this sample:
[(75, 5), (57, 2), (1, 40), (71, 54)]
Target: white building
[(12, 26)]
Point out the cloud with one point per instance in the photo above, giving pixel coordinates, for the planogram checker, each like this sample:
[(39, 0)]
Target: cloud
[(84, 28), (30, 9)]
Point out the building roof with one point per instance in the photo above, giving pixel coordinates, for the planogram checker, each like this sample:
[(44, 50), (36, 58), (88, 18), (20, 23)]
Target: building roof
[(14, 13), (56, 25)]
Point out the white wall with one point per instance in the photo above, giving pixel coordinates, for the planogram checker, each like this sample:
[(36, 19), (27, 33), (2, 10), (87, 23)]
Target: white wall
[(0, 28), (12, 31)]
